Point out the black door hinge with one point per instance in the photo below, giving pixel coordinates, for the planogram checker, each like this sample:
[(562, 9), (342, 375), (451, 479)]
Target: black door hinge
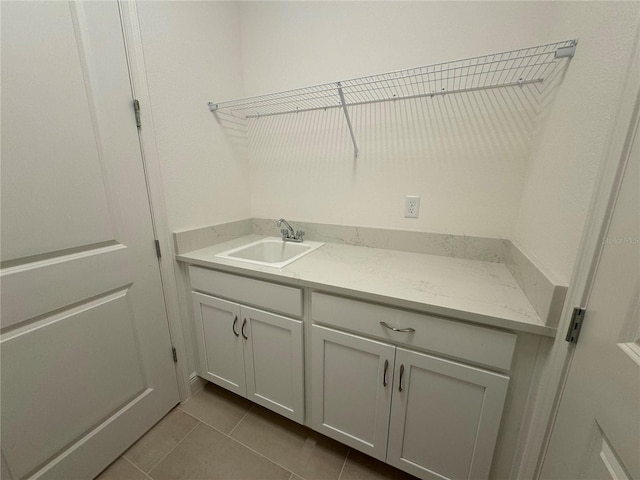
[(175, 355), (577, 318), (158, 252), (136, 109)]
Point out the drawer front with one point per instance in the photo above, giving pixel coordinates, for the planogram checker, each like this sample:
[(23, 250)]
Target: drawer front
[(484, 346), (266, 295)]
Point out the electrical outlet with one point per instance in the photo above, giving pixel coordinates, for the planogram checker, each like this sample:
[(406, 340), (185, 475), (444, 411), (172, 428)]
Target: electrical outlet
[(411, 206)]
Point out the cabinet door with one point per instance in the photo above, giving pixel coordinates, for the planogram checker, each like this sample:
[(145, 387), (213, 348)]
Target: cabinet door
[(351, 389), (274, 362), (445, 417), (220, 357)]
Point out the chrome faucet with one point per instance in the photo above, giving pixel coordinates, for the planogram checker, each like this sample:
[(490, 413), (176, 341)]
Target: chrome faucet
[(289, 234)]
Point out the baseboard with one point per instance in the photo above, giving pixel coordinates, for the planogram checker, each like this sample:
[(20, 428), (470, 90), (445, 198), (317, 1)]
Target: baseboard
[(196, 383)]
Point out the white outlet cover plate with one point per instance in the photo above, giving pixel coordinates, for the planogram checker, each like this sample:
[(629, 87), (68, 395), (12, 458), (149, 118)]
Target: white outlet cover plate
[(411, 206)]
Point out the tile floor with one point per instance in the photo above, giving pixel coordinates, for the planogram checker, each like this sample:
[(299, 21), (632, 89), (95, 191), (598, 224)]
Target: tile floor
[(217, 435)]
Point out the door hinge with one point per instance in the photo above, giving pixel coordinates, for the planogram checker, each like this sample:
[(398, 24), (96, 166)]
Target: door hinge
[(158, 252), (576, 324), (175, 355), (136, 109)]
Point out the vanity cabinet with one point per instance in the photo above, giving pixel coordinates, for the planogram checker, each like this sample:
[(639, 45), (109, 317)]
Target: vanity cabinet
[(430, 416), (249, 351)]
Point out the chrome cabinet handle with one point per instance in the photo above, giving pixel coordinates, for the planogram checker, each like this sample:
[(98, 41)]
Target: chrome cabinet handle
[(243, 325), (384, 375), (233, 327), (405, 330), (400, 382)]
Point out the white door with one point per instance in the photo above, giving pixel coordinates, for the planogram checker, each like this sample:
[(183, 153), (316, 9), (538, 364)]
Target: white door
[(220, 347), (444, 417), (274, 362), (597, 430), (86, 354), (351, 387)]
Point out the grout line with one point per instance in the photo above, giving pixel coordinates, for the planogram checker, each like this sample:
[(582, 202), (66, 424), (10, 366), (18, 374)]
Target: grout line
[(136, 467), (205, 423), (344, 464), (240, 421), (173, 448), (263, 456)]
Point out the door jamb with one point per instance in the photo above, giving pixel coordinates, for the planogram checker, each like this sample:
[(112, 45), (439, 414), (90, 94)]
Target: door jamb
[(609, 178), (135, 58)]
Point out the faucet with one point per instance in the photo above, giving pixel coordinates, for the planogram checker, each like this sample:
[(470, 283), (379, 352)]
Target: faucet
[(289, 234)]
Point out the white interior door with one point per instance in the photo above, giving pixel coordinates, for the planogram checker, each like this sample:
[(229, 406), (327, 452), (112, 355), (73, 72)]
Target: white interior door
[(597, 431), (85, 347)]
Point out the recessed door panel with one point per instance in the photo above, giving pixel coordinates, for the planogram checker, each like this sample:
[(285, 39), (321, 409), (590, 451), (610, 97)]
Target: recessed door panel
[(96, 371), (64, 147), (351, 387), (220, 354), (445, 417), (274, 362)]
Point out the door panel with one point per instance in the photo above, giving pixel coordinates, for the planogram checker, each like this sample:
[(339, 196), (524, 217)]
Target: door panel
[(444, 422), (97, 371), (63, 148), (351, 402), (274, 362), (220, 348), (86, 353)]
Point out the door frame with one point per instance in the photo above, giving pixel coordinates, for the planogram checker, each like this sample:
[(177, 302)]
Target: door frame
[(132, 35), (532, 449)]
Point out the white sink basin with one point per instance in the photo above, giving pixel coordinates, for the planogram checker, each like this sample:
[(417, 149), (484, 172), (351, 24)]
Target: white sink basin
[(270, 252)]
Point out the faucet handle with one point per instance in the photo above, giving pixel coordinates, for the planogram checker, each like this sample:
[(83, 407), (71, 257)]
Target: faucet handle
[(299, 234), (285, 233)]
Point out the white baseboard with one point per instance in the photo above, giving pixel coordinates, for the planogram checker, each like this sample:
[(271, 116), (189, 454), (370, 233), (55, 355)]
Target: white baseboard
[(196, 383)]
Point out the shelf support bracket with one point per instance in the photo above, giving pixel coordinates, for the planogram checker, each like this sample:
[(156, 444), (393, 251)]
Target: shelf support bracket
[(356, 152)]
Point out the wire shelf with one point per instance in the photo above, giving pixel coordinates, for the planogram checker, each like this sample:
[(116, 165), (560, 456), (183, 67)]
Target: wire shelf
[(525, 66), (505, 69)]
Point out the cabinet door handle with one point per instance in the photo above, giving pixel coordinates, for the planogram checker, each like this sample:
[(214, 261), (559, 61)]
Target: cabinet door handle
[(405, 330), (400, 381), (243, 334), (384, 376), (233, 327)]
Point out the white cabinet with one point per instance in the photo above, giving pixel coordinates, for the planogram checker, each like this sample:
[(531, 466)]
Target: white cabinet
[(444, 418), (429, 416), (252, 353), (351, 389)]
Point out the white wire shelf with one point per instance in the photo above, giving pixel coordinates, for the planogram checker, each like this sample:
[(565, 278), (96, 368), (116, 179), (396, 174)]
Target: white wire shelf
[(506, 69)]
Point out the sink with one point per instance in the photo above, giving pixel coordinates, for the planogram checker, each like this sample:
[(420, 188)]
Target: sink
[(270, 252)]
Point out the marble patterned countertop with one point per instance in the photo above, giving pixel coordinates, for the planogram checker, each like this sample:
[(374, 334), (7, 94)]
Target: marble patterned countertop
[(471, 290)]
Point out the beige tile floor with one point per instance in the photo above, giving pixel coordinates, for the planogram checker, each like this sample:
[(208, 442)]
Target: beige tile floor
[(217, 435)]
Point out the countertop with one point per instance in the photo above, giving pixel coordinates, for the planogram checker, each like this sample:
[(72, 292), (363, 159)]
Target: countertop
[(471, 290)]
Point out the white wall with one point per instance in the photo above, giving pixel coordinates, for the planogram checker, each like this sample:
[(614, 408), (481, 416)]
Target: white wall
[(193, 55), (480, 171), (564, 165), (474, 170), (463, 155)]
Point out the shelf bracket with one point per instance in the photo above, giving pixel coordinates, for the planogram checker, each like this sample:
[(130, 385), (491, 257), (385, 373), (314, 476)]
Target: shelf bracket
[(346, 114), (567, 51)]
